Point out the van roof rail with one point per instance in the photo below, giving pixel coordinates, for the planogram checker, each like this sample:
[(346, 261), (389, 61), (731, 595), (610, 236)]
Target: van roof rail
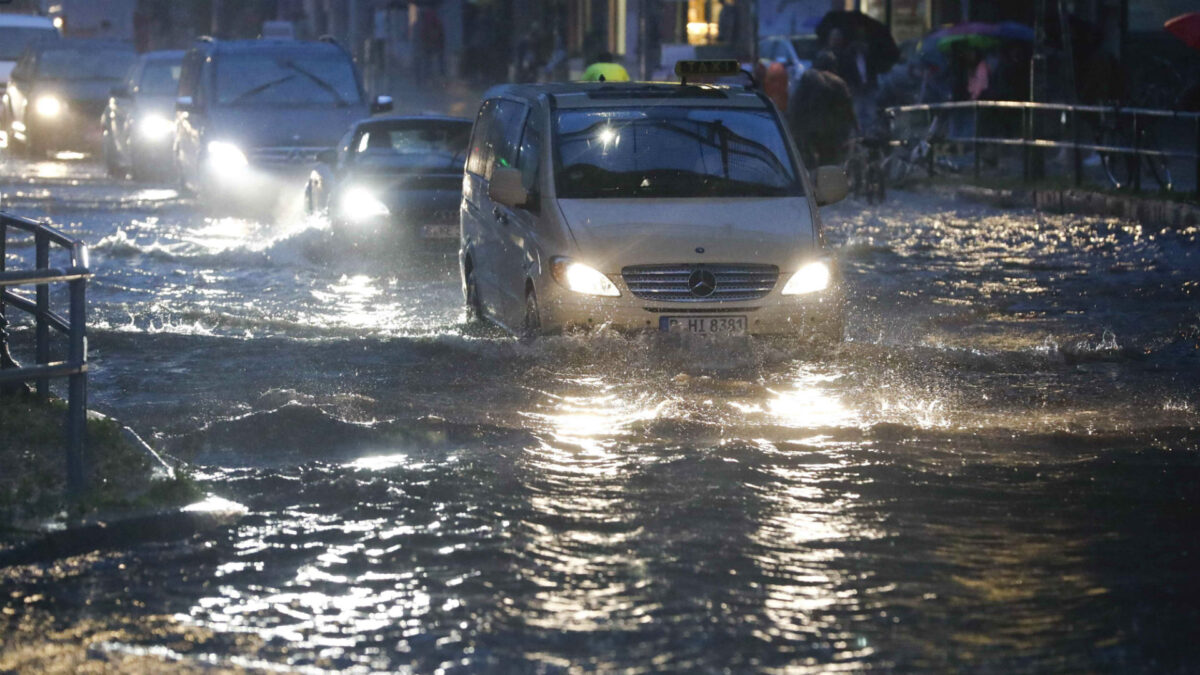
[(330, 39), (205, 38)]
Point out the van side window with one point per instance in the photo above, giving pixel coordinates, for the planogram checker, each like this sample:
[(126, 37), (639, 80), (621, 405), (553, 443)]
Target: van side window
[(481, 153), (190, 74), (497, 137), (507, 131), (530, 153)]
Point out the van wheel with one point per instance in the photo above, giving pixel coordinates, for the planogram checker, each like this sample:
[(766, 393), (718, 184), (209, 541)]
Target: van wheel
[(471, 291), (532, 326)]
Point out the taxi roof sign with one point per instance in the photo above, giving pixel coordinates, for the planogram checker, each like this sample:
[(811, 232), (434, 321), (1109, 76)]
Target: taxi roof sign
[(718, 67)]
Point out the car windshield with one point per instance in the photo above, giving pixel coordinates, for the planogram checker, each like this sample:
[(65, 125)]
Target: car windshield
[(286, 79), (71, 64), (14, 40), (672, 152), (160, 78), (425, 145)]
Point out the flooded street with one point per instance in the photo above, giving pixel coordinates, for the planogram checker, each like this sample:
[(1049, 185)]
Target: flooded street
[(999, 471)]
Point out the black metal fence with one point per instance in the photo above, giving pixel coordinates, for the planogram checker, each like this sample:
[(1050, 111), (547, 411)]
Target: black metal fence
[(1136, 147), (75, 274)]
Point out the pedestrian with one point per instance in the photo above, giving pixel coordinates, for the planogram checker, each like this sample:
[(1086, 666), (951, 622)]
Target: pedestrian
[(431, 44), (727, 23), (821, 113), (605, 69)]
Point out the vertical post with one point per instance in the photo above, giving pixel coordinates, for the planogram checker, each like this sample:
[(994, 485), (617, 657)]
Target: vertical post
[(1196, 120), (1027, 154), (77, 393), (975, 141), (42, 326), (1137, 155), (6, 359), (1075, 140)]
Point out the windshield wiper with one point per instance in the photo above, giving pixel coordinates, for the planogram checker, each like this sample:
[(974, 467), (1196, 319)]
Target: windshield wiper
[(318, 81), (261, 88)]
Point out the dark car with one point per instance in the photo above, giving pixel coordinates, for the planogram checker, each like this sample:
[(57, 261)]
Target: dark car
[(251, 114), (139, 122), (58, 91), (394, 175)]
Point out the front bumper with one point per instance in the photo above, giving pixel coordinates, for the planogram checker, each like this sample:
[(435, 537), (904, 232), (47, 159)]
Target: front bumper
[(774, 314)]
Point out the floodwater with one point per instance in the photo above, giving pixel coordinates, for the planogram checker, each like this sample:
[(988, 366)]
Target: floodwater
[(998, 472)]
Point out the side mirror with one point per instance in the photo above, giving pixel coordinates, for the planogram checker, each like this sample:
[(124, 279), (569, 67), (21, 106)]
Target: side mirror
[(381, 104), (120, 91), (328, 156), (184, 104), (507, 188), (832, 185)]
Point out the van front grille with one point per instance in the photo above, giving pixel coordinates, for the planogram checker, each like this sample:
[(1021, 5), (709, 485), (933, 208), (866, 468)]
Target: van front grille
[(700, 283)]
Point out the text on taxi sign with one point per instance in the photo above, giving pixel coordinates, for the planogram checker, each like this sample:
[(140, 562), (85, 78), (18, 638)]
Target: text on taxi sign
[(712, 67)]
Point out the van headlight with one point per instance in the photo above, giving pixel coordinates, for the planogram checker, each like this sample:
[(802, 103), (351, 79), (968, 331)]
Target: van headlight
[(358, 204), (155, 127), (811, 278), (581, 278), (225, 156), (48, 106)]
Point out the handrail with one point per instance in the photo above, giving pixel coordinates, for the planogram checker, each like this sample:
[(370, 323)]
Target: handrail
[(1034, 105), (74, 325), (1030, 139)]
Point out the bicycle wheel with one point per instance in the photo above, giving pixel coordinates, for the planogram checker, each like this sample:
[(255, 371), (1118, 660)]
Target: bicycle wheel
[(1118, 166), (1159, 166)]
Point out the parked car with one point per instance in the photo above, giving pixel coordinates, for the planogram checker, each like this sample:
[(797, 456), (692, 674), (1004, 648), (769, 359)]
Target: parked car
[(139, 122), (795, 52), (58, 91), (639, 206), (252, 115), (396, 175)]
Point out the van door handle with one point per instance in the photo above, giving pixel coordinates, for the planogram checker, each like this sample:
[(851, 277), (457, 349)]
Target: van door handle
[(500, 216)]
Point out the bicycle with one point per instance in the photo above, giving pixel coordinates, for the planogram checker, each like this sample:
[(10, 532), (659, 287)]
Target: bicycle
[(910, 157), (1122, 168), (864, 168)]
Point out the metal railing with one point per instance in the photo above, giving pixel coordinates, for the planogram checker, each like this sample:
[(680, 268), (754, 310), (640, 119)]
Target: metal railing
[(74, 326), (1101, 124)]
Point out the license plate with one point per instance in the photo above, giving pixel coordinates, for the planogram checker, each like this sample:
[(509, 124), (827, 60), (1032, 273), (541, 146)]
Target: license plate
[(703, 325), (440, 231)]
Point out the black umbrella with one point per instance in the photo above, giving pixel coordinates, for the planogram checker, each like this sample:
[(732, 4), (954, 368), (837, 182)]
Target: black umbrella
[(882, 51)]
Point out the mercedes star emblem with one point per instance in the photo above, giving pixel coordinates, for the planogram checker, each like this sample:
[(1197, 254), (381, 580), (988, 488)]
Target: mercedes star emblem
[(702, 283)]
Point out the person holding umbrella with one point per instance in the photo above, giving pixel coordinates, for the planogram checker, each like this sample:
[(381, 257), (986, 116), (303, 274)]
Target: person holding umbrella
[(1186, 27)]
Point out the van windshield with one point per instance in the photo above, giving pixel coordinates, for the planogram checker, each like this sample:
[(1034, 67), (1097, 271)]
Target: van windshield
[(80, 64), (672, 152), (14, 39), (286, 79), (160, 78)]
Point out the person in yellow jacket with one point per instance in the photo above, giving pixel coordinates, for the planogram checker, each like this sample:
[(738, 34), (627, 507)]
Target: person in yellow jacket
[(605, 69)]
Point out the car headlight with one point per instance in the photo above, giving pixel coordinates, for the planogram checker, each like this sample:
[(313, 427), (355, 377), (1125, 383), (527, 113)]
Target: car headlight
[(581, 278), (811, 278), (155, 127), (48, 106), (358, 204), (225, 156)]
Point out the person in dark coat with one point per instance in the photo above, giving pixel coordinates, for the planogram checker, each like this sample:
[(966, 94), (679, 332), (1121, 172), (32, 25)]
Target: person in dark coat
[(821, 113)]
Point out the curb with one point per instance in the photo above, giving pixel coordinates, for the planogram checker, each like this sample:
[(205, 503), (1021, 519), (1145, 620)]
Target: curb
[(1160, 213), (124, 532)]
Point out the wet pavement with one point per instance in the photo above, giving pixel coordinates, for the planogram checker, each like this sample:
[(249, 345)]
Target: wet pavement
[(998, 472)]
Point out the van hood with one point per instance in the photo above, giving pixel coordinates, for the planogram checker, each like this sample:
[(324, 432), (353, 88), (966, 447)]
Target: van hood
[(613, 233), (277, 126)]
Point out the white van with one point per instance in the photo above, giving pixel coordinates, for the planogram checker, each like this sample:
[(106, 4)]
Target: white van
[(662, 207), (17, 31)]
